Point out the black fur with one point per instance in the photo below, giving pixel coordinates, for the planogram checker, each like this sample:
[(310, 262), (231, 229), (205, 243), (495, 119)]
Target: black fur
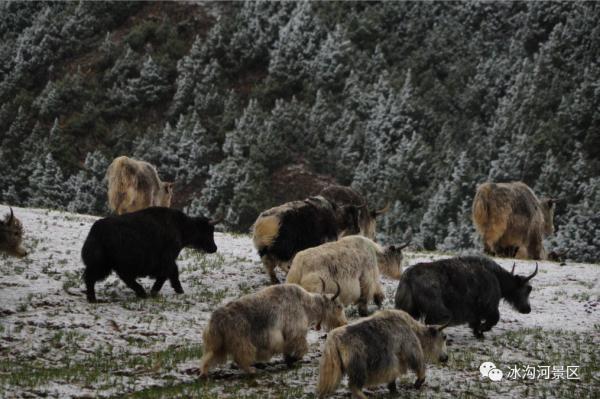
[(143, 243), (461, 290), (303, 227)]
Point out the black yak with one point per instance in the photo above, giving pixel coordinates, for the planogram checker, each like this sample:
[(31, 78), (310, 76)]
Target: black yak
[(143, 243), (281, 232), (462, 290)]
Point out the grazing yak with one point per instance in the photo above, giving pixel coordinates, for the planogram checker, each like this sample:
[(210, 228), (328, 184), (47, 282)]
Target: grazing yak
[(135, 185), (11, 236), (462, 290), (354, 262), (343, 195), (274, 320), (510, 218), (143, 243), (377, 350), (280, 232)]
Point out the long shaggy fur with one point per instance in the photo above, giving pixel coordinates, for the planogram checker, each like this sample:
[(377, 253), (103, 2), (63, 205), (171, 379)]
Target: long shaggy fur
[(377, 350), (509, 215), (354, 262), (135, 185), (260, 325)]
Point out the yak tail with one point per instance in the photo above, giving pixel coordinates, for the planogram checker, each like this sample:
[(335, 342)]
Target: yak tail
[(330, 368), (404, 299), (480, 206), (264, 232), (214, 347)]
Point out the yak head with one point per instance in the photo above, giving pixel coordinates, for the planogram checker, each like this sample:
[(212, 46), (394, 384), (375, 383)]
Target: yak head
[(548, 205), (166, 193), (11, 236), (333, 315), (518, 294), (347, 218), (391, 262), (201, 234), (433, 342)]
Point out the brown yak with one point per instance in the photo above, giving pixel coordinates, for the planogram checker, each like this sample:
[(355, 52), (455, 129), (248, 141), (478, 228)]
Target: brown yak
[(135, 185), (509, 217)]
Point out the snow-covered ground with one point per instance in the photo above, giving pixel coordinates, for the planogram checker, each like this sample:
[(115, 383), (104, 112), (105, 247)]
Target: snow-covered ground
[(53, 343)]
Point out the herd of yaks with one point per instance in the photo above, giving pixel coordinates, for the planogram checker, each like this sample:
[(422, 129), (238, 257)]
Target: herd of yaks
[(326, 245)]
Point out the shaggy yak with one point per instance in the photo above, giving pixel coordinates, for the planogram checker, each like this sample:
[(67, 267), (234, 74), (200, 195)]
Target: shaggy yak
[(135, 185), (274, 320), (377, 350), (343, 195), (11, 236), (510, 218), (462, 290), (143, 243), (280, 232), (354, 262)]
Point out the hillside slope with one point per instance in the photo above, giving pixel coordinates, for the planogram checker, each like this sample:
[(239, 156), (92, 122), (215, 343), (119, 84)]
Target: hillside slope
[(412, 103), (53, 343)]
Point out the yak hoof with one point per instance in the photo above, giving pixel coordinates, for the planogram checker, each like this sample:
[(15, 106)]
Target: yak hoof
[(419, 382), (179, 291), (478, 335), (392, 387), (141, 295)]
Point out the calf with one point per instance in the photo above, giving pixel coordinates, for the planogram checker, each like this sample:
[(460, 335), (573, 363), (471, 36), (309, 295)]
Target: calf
[(512, 220), (354, 262), (462, 290), (135, 185), (280, 232), (143, 243), (343, 195), (11, 236), (260, 325), (377, 350)]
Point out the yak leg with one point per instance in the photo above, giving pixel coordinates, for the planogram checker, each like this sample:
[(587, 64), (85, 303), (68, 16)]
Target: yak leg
[(357, 377), (491, 319), (157, 285), (416, 362), (534, 247), (357, 392), (392, 386), (366, 293), (476, 326), (270, 265), (174, 280), (134, 285), (245, 356), (90, 291), (295, 349)]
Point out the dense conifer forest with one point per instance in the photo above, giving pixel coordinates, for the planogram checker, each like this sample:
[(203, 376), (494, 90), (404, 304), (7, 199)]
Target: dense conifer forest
[(411, 103)]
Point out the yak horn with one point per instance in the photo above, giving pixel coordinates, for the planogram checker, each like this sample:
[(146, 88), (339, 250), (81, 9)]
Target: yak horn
[(339, 289), (532, 274), (322, 285), (403, 246), (513, 268), (446, 324), (216, 221), (384, 209), (12, 216)]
